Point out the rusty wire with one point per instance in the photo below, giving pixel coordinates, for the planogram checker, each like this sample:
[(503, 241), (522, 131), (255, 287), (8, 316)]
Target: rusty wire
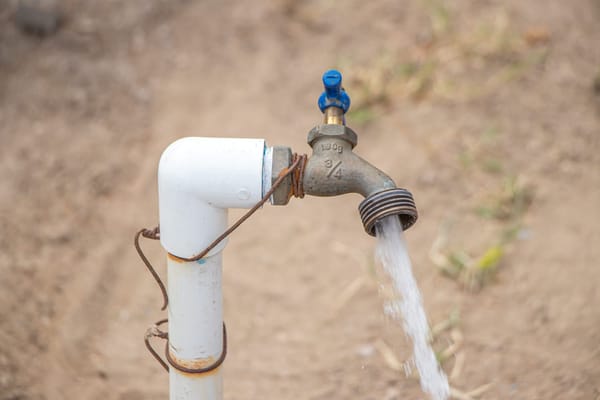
[(298, 175), (153, 234), (151, 332), (299, 161), (296, 172), (202, 370), (154, 331)]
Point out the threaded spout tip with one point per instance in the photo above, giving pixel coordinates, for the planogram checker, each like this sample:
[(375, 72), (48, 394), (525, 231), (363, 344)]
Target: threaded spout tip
[(396, 201)]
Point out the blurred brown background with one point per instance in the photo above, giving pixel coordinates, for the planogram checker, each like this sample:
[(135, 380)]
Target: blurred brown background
[(488, 111)]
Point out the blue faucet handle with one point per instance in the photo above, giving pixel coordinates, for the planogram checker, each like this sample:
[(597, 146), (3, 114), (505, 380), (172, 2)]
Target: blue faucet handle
[(334, 95)]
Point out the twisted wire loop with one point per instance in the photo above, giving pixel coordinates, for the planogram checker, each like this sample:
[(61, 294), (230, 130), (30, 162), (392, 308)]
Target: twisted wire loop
[(202, 370), (151, 332), (154, 331), (296, 172), (298, 175)]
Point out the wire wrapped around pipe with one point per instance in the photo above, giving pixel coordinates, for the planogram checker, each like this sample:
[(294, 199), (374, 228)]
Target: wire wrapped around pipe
[(296, 172), (299, 161)]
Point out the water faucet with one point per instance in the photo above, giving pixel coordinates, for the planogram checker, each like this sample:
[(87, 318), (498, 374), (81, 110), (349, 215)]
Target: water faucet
[(334, 169), (200, 178)]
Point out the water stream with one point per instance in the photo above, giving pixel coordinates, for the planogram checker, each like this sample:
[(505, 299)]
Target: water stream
[(407, 305)]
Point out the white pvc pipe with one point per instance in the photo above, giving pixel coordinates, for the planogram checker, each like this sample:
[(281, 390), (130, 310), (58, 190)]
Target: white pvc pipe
[(195, 326), (198, 180)]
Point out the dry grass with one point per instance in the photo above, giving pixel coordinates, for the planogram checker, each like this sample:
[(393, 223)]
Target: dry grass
[(455, 62)]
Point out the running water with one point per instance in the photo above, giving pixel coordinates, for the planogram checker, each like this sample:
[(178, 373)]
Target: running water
[(408, 307)]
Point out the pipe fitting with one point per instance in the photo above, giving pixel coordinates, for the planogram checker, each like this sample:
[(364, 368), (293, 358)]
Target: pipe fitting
[(199, 179), (281, 159)]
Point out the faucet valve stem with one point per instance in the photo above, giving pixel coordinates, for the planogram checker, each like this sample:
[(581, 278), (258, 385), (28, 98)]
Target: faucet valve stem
[(334, 101)]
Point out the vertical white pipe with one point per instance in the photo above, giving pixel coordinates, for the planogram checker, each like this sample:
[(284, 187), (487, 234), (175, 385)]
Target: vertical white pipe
[(198, 180), (195, 326), (187, 387)]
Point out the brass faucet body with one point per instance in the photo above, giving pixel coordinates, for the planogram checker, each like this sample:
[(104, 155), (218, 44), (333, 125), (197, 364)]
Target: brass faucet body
[(334, 169)]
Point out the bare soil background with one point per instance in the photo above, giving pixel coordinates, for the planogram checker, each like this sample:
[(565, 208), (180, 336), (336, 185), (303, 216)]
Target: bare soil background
[(486, 111)]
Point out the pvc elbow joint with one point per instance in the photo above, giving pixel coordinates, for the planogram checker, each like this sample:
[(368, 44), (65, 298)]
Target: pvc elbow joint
[(198, 180)]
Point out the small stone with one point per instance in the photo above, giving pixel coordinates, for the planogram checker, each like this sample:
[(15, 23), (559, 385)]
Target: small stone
[(365, 350), (38, 17)]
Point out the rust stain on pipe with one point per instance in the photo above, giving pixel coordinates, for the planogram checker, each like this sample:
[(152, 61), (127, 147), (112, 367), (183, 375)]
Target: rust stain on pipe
[(175, 258), (199, 366), (196, 364)]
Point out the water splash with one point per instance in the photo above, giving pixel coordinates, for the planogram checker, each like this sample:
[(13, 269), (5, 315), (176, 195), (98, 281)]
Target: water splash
[(408, 306)]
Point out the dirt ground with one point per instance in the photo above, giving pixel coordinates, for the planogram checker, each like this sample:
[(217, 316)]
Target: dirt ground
[(485, 110)]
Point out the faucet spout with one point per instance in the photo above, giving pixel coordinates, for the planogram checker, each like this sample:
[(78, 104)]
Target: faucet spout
[(334, 169)]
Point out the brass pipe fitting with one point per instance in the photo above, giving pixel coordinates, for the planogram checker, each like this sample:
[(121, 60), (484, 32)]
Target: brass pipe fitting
[(334, 116)]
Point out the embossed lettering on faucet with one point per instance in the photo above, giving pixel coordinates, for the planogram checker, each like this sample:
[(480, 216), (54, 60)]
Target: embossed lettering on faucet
[(334, 170), (332, 146)]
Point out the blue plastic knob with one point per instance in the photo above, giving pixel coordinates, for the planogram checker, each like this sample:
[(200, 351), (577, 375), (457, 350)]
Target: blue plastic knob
[(334, 95)]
